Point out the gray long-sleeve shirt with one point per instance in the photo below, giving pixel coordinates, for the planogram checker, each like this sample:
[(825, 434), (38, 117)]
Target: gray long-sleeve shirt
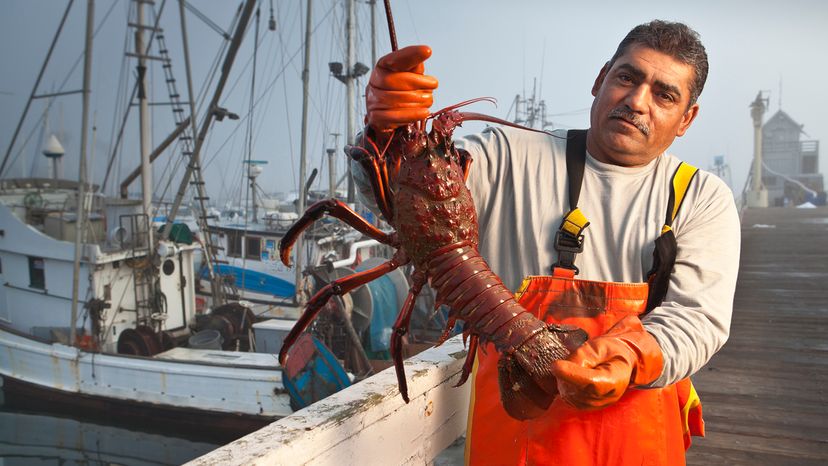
[(519, 184)]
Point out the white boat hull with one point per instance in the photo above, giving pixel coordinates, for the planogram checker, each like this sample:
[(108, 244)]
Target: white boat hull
[(223, 383)]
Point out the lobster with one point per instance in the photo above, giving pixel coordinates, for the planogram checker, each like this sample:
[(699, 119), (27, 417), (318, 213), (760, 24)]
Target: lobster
[(418, 180)]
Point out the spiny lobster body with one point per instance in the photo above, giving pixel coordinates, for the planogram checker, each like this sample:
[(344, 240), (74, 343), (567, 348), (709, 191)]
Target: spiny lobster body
[(418, 181), (433, 206)]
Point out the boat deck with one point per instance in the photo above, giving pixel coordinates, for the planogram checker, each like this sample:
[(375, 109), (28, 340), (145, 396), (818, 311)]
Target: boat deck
[(764, 394)]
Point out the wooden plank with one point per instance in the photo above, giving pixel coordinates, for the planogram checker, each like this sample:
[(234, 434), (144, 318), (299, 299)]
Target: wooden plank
[(367, 423), (764, 394), (732, 445)]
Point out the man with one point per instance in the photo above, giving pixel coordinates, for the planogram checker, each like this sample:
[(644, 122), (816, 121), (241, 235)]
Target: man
[(656, 268)]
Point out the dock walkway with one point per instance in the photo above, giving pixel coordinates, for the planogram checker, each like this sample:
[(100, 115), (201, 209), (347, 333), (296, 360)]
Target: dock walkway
[(764, 394)]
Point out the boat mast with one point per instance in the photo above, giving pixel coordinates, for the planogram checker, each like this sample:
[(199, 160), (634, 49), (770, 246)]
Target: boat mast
[(194, 167), (373, 4), (350, 60), (332, 165), (300, 206), (144, 121), (82, 201)]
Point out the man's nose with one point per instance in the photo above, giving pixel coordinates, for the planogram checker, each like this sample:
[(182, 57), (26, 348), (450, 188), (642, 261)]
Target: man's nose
[(637, 99)]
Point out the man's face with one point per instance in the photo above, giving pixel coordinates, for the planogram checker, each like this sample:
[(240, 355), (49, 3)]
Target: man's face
[(640, 107)]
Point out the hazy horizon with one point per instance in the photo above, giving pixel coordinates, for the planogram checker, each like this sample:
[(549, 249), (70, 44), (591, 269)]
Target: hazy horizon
[(483, 48)]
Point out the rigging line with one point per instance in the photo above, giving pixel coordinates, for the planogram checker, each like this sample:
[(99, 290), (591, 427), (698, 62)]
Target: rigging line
[(170, 160), (206, 85), (119, 105), (63, 84), (289, 132), (269, 96), (249, 138), (262, 121), (212, 73), (173, 172), (207, 21), (37, 83), (270, 84), (540, 80), (269, 68), (249, 141), (256, 131), (318, 112), (270, 64), (241, 73), (207, 160), (119, 143), (571, 112), (413, 25), (233, 192)]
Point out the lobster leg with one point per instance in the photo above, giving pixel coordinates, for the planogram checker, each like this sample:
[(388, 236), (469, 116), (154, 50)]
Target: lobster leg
[(371, 165), (468, 365), (335, 209), (336, 288), (418, 279)]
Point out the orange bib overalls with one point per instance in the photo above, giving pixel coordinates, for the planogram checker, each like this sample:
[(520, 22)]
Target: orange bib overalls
[(645, 427)]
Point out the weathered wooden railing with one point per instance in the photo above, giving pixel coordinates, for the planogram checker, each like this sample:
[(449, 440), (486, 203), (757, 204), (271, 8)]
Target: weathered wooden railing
[(367, 423)]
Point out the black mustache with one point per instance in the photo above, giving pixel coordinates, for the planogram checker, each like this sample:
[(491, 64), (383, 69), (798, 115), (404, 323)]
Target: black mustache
[(630, 117)]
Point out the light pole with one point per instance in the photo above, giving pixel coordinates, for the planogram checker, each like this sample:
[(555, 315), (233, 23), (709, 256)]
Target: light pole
[(758, 195), (347, 74)]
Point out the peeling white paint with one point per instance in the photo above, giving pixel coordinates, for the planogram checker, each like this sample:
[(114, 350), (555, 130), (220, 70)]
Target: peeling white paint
[(367, 423)]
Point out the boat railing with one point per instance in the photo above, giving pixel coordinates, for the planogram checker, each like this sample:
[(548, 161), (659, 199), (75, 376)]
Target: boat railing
[(368, 422)]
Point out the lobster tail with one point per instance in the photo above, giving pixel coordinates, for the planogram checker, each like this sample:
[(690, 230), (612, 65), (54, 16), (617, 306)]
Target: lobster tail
[(528, 346)]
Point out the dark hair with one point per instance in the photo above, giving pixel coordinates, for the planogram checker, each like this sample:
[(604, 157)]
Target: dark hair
[(674, 39)]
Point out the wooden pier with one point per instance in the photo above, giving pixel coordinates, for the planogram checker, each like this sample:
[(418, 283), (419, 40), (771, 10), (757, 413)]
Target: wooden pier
[(764, 394)]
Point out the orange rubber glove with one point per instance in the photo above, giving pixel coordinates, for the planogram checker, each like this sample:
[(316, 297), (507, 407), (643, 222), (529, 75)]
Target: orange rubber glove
[(598, 373), (398, 93)]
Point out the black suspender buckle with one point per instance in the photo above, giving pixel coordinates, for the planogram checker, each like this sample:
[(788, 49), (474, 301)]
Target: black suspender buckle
[(568, 245)]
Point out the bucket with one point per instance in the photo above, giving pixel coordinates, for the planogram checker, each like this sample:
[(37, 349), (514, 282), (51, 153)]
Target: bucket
[(206, 339)]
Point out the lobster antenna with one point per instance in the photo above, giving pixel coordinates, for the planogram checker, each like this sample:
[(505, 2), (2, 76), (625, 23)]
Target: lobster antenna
[(466, 102), (391, 31)]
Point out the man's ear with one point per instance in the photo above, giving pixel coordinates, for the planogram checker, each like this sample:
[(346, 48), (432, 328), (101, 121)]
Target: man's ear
[(687, 119), (600, 79)]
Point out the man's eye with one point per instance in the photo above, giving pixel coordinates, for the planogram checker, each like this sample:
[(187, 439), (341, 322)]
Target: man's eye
[(667, 97), (624, 78)]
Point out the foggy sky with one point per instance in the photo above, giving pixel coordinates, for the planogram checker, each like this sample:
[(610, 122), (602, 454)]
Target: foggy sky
[(481, 48)]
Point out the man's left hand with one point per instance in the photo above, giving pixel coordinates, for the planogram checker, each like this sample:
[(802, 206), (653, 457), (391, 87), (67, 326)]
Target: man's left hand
[(599, 372)]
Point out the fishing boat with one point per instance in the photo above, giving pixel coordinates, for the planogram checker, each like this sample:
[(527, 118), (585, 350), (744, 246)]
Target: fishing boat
[(139, 342), (247, 248), (98, 308)]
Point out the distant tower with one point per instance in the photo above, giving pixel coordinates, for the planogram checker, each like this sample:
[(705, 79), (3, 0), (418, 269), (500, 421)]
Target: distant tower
[(54, 150), (531, 111), (758, 195)]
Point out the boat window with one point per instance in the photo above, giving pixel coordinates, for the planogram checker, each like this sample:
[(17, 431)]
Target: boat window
[(254, 248), (234, 244), (37, 277), (168, 267)]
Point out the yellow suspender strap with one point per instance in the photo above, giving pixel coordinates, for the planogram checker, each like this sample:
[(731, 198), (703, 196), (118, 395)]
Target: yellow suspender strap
[(693, 401), (574, 222), (682, 178)]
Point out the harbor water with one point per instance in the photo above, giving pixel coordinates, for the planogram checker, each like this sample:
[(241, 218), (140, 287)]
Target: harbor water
[(30, 436)]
